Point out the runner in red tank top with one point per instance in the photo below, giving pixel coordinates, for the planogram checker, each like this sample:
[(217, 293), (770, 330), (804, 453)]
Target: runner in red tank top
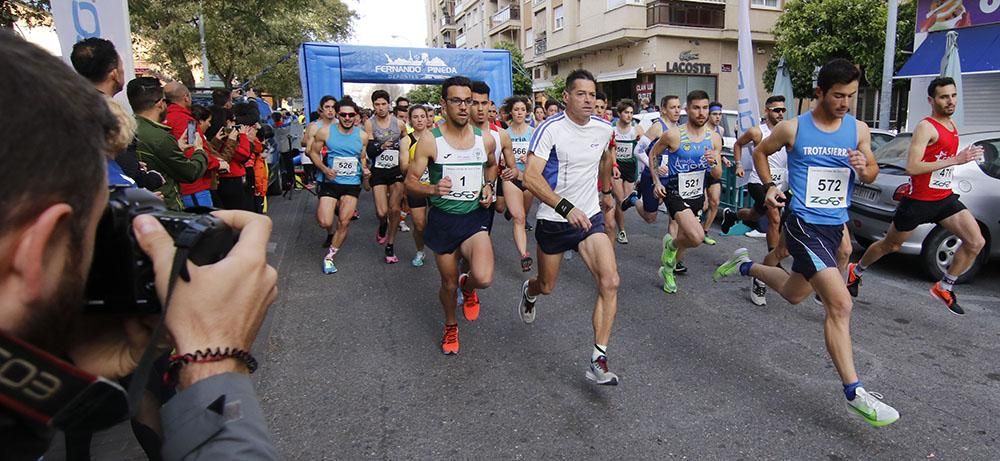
[(933, 155)]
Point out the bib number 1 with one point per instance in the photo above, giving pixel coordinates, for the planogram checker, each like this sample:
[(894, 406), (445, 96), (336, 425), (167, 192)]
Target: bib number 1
[(466, 182), (827, 187)]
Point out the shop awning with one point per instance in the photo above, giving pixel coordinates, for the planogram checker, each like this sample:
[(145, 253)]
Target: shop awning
[(625, 74), (978, 49), (541, 85)]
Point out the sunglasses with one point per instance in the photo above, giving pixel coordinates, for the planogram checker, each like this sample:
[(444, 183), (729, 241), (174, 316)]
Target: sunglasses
[(778, 110), (347, 114)]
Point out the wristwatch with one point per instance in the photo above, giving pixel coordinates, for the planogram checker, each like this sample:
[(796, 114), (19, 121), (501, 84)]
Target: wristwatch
[(770, 184)]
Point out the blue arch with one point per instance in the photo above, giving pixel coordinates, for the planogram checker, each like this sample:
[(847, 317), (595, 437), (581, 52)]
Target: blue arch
[(325, 67)]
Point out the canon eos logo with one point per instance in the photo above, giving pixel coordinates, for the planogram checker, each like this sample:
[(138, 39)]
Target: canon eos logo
[(25, 378)]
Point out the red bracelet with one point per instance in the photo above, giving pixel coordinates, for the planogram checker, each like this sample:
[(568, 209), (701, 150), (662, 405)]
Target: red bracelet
[(177, 361)]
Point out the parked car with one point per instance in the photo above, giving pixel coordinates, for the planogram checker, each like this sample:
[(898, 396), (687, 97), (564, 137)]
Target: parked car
[(873, 205), (881, 138)]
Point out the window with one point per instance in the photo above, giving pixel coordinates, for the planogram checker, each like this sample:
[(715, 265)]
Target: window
[(558, 19), (991, 157), (681, 13), (529, 38), (765, 3), (554, 69)]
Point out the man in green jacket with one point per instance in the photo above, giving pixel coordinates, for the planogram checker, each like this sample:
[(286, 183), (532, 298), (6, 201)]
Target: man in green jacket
[(156, 146)]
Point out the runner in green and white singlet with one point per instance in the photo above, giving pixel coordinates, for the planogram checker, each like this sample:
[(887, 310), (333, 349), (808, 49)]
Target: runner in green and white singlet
[(627, 135)]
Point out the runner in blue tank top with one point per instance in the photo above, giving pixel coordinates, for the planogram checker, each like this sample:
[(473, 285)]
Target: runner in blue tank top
[(827, 149), (339, 176), (692, 149), (516, 198)]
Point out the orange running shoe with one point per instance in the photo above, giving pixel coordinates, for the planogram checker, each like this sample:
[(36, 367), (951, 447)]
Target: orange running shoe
[(470, 300), (949, 298), (449, 343), (853, 280)]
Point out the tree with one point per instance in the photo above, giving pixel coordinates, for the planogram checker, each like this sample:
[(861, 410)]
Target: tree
[(809, 33), (32, 12), (522, 81), (424, 94), (242, 38), (556, 90)]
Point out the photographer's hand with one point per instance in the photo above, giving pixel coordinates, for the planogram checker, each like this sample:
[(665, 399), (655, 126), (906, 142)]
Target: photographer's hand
[(110, 345), (224, 303)]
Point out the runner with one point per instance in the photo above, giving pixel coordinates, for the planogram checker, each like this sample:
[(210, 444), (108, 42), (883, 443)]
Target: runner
[(418, 117), (462, 172), (340, 174), (670, 114), (566, 156), (479, 118), (692, 150), (327, 118), (610, 223), (538, 116), (552, 108), (932, 156), (627, 135), (386, 181), (713, 185), (827, 150), (518, 199)]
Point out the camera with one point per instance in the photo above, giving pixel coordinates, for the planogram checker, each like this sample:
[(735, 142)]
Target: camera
[(121, 276)]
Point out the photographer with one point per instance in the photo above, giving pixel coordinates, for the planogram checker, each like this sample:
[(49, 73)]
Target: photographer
[(48, 225), (235, 191)]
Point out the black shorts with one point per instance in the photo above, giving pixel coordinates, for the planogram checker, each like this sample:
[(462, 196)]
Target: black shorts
[(414, 202), (676, 204), (329, 189), (711, 180), (911, 213), (386, 177), (758, 192), (629, 171), (813, 246), (558, 237), (445, 232)]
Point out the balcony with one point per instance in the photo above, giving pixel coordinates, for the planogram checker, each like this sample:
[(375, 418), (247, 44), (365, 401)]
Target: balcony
[(507, 18), (540, 44), (537, 4), (460, 41), (701, 13), (448, 22)]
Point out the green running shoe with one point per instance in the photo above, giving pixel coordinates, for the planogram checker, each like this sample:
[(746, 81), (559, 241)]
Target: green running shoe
[(669, 283), (870, 406), (708, 240), (669, 256), (732, 266)]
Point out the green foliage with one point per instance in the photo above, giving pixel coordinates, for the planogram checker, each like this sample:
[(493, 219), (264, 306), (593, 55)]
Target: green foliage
[(557, 89), (522, 81), (424, 94), (242, 38), (812, 32), (32, 12)]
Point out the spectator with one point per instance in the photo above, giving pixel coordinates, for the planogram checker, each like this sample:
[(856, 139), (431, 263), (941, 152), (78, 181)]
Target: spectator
[(198, 192), (222, 102), (236, 187), (646, 106), (155, 145), (48, 220)]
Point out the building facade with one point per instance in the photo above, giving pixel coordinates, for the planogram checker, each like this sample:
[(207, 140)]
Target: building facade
[(472, 23), (645, 48)]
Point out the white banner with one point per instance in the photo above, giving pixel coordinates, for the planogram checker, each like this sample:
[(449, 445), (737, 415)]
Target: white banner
[(76, 20), (748, 101)]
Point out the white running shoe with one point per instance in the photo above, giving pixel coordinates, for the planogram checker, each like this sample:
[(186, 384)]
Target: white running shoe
[(870, 406), (756, 234), (758, 292), (403, 227), (568, 255), (526, 308), (599, 373)]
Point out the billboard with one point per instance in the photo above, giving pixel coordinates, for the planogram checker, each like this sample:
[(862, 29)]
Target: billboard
[(934, 15)]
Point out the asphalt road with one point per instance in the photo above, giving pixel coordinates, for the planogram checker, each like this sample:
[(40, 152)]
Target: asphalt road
[(351, 364)]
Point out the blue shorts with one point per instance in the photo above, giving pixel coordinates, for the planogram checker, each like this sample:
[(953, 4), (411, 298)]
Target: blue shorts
[(559, 237), (445, 232), (813, 246)]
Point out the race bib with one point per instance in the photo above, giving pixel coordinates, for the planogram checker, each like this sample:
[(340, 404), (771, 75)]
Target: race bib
[(387, 159), (941, 179), (520, 152), (691, 184), (345, 166), (827, 187), (466, 182), (426, 177), (623, 151), (780, 178)]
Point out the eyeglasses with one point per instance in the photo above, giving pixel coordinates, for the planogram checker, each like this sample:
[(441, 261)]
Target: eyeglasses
[(347, 114), (459, 102), (777, 110)]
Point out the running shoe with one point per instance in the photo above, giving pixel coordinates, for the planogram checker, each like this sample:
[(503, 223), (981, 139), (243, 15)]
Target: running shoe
[(732, 266), (758, 292), (756, 234), (680, 268), (629, 201), (507, 215), (668, 258), (356, 216), (328, 241), (669, 284), (568, 256), (708, 240), (622, 238), (599, 373), (817, 299), (526, 263), (328, 266), (470, 300), (390, 255), (728, 220), (528, 227), (403, 227), (418, 260), (949, 298), (449, 343), (853, 280), (870, 406), (526, 308), (381, 238)]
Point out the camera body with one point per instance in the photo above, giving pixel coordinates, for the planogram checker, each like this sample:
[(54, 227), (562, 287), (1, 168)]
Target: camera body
[(121, 276)]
